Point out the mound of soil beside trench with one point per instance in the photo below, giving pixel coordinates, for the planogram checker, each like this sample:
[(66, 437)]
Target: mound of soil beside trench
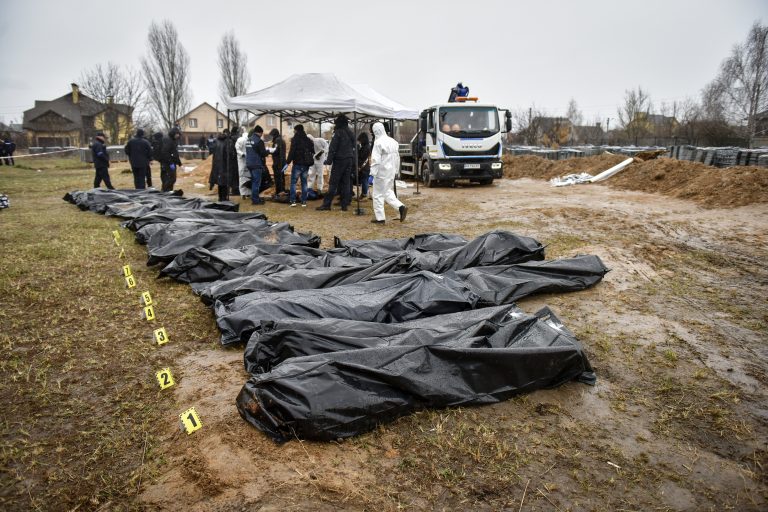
[(708, 186)]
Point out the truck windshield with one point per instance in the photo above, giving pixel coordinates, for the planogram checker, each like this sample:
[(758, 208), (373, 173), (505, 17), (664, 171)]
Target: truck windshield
[(469, 121)]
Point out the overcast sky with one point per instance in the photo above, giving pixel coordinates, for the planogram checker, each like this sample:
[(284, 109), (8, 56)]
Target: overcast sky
[(512, 53)]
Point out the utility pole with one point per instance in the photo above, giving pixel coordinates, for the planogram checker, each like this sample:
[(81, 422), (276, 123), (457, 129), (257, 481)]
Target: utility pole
[(607, 129)]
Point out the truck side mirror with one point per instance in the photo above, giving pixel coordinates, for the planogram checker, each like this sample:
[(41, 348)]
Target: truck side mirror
[(423, 123), (508, 121)]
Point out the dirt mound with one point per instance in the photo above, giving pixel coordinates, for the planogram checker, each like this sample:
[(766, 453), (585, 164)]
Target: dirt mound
[(711, 187), (708, 186), (530, 166)]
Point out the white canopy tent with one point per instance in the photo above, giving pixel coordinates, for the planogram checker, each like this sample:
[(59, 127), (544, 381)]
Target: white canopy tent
[(320, 97)]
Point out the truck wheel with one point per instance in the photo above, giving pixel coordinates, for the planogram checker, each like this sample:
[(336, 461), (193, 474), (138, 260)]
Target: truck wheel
[(426, 175)]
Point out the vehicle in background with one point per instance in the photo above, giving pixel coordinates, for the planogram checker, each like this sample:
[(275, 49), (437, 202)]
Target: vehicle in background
[(456, 141)]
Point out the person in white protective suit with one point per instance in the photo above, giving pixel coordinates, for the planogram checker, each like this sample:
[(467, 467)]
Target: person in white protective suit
[(385, 162), (244, 181), (316, 170)]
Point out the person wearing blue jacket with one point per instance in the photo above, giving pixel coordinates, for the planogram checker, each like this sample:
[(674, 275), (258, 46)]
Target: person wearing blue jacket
[(101, 162), (255, 160)]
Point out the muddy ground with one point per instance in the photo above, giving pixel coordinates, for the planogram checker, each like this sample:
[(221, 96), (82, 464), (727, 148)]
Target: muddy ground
[(676, 332)]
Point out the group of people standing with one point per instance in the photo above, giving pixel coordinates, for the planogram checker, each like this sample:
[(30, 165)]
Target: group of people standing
[(382, 161), (239, 166), (140, 152)]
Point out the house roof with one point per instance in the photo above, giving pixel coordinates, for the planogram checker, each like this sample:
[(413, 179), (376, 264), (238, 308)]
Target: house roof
[(11, 128), (205, 103), (73, 112)]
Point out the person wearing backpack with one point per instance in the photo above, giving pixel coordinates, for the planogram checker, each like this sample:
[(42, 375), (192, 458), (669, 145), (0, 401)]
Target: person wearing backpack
[(302, 155), (341, 155)]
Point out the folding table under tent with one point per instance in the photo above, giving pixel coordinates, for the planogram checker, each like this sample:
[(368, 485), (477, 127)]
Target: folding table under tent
[(319, 97)]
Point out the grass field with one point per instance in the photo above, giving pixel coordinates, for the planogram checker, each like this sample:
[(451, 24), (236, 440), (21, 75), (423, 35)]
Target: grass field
[(676, 333)]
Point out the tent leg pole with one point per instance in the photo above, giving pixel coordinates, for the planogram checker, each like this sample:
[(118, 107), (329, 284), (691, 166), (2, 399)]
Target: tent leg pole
[(358, 211)]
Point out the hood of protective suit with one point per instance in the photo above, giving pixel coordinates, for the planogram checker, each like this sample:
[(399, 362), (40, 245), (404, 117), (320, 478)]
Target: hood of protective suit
[(385, 142)]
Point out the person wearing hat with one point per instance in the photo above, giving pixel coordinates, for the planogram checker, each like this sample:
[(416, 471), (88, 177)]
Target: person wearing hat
[(139, 152), (341, 155), (101, 162)]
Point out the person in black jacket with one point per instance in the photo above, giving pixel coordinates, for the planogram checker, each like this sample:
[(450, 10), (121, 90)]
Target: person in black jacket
[(341, 155), (302, 155), (101, 162), (8, 148), (363, 162), (169, 159), (278, 160), (139, 153), (157, 149), (219, 172)]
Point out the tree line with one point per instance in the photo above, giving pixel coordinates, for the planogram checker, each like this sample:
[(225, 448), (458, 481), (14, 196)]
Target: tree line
[(727, 111), (730, 110), (158, 92)]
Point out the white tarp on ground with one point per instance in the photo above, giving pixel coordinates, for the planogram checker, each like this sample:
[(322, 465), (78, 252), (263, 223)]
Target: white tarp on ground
[(319, 96), (576, 179)]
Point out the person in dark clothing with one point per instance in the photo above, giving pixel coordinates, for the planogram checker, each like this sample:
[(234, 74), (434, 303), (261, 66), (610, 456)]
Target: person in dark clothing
[(202, 143), (363, 162), (169, 159), (302, 155), (8, 148), (458, 91), (341, 155), (139, 152), (2, 153), (101, 162), (157, 149), (278, 160), (210, 143), (255, 161), (219, 172)]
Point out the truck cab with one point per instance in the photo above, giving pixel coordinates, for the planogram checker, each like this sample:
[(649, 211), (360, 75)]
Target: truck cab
[(458, 141)]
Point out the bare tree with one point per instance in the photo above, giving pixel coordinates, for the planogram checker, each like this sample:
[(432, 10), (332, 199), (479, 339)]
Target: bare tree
[(689, 115), (526, 125), (742, 84), (633, 115), (233, 66), (575, 117), (166, 74), (111, 85)]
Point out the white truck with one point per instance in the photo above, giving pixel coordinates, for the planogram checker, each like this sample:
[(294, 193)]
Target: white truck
[(456, 141)]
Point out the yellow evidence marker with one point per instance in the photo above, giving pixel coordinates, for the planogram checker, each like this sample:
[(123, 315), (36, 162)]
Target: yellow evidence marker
[(127, 270), (130, 282), (146, 298), (161, 337), (148, 313), (190, 421), (165, 378)]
